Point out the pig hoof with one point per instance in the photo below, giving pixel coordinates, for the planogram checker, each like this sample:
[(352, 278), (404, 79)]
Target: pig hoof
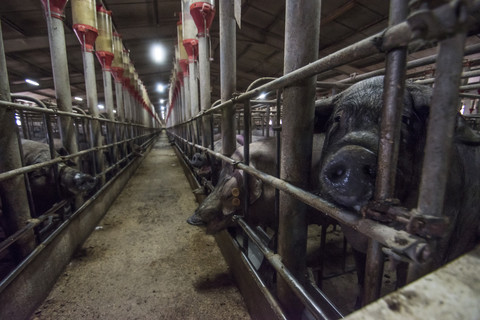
[(195, 221)]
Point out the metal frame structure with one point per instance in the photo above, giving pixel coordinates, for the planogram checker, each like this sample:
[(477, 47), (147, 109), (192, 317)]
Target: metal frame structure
[(402, 31)]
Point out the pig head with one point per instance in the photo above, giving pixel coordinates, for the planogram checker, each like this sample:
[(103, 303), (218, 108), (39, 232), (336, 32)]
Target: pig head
[(349, 160)]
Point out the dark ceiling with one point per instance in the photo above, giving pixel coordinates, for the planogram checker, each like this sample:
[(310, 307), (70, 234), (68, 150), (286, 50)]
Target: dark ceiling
[(144, 22)]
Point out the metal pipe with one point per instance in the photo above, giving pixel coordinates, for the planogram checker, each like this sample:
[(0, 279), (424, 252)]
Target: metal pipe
[(108, 93), (193, 87), (228, 77), (394, 87), (302, 31), (204, 72), (289, 278), (440, 133), (61, 78), (14, 197), (401, 242), (92, 102)]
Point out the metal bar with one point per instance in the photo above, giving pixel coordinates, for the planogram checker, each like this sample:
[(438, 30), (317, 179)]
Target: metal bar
[(246, 159), (394, 87), (14, 197), (440, 133), (228, 76), (289, 278), (61, 79), (204, 72), (278, 154), (302, 31)]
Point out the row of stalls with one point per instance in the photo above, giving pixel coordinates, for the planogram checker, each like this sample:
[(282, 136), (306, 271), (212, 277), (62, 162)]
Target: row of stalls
[(293, 269), (100, 147)]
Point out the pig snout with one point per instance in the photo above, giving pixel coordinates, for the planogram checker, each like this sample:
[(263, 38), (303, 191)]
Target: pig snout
[(195, 220), (348, 176), (83, 182)]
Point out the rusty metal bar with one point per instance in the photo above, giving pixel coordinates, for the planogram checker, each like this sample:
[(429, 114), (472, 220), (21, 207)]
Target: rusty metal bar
[(14, 201), (394, 87), (302, 31)]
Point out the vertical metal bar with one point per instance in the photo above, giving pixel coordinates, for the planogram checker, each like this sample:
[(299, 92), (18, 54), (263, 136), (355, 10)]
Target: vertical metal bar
[(228, 78), (267, 116), (92, 102), (204, 71), (61, 79), (394, 87), (14, 201), (278, 153), (440, 133), (108, 93), (302, 31), (246, 160)]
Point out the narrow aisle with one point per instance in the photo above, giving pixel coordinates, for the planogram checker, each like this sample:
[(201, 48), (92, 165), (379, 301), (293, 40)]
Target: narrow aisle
[(144, 261)]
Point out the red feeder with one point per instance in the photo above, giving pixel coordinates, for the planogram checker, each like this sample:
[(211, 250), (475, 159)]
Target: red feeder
[(56, 7), (86, 35), (191, 46), (203, 14)]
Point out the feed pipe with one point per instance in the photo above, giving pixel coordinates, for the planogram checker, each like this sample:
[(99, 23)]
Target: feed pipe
[(394, 87), (228, 73), (14, 200), (54, 16), (398, 35), (401, 242)]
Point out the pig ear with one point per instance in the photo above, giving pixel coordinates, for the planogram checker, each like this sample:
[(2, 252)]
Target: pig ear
[(323, 110), (256, 189), (464, 134), (421, 96)]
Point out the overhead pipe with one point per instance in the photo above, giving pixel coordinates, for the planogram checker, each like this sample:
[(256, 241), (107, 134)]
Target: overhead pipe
[(203, 13), (54, 15), (302, 31), (85, 27), (14, 201), (228, 73)]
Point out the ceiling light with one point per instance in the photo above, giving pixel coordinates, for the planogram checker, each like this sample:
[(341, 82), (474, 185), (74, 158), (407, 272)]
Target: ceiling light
[(114, 111), (35, 83), (160, 87), (78, 98), (162, 100), (101, 107), (262, 96), (158, 53)]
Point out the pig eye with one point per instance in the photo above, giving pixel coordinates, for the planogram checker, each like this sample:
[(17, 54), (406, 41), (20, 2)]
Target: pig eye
[(406, 120), (337, 118)]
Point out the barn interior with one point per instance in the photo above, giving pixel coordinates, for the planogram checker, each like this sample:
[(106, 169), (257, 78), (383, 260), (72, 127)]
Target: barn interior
[(120, 123)]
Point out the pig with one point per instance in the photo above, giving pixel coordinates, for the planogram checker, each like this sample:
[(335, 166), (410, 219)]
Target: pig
[(349, 158), (42, 181), (226, 200)]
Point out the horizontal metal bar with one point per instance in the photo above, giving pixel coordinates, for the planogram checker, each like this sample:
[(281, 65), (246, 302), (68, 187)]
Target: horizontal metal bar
[(276, 262), (399, 241)]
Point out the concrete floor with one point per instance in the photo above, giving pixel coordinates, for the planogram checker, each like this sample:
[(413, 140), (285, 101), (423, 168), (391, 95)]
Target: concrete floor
[(144, 261)]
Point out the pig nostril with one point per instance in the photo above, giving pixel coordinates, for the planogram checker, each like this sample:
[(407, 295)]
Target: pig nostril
[(369, 171), (336, 173)]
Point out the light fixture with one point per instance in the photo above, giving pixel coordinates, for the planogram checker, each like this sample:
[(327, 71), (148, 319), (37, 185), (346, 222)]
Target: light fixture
[(78, 98), (114, 111), (158, 53), (101, 107), (162, 100), (262, 95), (35, 83), (160, 87)]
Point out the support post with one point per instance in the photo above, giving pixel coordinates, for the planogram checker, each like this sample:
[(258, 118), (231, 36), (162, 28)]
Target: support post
[(228, 69), (14, 196), (302, 31)]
